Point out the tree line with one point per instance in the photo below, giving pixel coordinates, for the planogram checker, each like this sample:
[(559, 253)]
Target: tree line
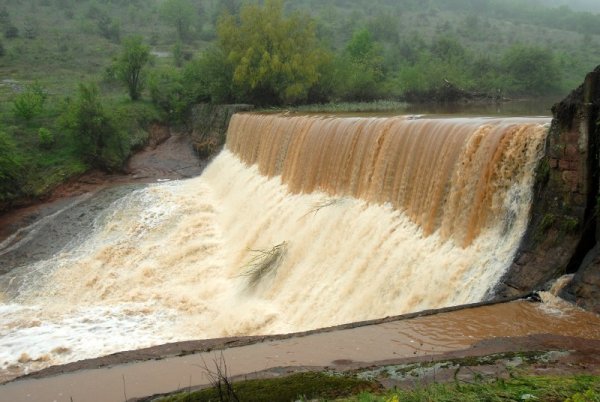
[(268, 53)]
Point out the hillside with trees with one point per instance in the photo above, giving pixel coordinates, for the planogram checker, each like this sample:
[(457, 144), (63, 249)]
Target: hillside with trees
[(81, 80)]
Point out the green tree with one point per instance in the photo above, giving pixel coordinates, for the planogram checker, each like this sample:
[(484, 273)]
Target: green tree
[(275, 59), (168, 92), (209, 78), (130, 65), (531, 70), (231, 6), (361, 68), (179, 13), (29, 103), (99, 141)]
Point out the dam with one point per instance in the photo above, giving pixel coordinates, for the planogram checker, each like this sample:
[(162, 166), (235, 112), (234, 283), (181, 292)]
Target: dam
[(300, 222)]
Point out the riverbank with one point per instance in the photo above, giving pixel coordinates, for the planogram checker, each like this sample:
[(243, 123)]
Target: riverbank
[(168, 156)]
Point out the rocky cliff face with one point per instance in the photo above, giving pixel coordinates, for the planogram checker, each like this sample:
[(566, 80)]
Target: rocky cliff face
[(564, 220)]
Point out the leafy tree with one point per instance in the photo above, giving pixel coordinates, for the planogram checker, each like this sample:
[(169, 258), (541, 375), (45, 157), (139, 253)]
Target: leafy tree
[(275, 59), (130, 65), (448, 50), (209, 78), (178, 54), (168, 92), (362, 68), (99, 141), (231, 7), (29, 103), (438, 70), (531, 70), (384, 27), (179, 13)]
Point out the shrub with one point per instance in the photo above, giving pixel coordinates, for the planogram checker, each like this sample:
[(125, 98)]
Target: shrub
[(30, 30), (209, 78), (99, 141), (45, 138), (130, 65), (4, 16), (169, 94), (109, 29), (11, 32), (29, 103), (9, 167)]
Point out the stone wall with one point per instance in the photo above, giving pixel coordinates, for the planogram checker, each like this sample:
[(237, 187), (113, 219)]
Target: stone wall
[(563, 218), (209, 126)]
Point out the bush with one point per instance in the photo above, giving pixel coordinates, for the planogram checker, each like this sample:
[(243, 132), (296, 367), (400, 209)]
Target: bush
[(169, 94), (209, 78), (11, 32), (99, 141), (109, 29), (531, 70), (29, 103), (130, 65), (45, 138), (30, 30), (9, 167)]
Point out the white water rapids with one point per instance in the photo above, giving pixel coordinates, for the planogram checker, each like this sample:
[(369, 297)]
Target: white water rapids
[(170, 262)]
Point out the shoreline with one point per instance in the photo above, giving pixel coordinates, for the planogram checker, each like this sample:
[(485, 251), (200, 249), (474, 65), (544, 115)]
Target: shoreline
[(171, 159)]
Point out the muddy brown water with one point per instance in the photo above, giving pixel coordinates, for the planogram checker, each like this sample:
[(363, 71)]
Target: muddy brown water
[(420, 337)]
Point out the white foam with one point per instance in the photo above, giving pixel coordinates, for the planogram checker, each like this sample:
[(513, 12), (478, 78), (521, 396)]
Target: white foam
[(166, 263)]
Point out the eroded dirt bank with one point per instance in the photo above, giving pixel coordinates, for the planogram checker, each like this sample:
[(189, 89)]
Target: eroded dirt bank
[(171, 157)]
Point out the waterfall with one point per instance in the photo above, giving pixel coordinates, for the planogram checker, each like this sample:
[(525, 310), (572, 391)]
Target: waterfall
[(455, 176), (300, 222)]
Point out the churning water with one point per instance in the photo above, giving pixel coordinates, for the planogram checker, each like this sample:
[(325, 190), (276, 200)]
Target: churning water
[(300, 223)]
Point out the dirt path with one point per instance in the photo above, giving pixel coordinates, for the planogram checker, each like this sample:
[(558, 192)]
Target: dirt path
[(511, 327)]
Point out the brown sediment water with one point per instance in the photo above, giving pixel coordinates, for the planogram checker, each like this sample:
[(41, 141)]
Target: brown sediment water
[(428, 168), (379, 217), (429, 336)]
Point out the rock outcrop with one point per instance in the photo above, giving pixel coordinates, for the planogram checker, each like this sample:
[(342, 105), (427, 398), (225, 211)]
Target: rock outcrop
[(564, 218)]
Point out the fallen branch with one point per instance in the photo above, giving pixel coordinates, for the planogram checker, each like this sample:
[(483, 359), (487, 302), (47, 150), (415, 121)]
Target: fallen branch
[(263, 263)]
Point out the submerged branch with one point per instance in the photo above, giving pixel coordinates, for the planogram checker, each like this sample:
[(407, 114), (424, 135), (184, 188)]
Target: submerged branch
[(263, 263)]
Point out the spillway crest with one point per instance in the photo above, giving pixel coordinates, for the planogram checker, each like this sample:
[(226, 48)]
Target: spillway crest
[(458, 176), (300, 222)]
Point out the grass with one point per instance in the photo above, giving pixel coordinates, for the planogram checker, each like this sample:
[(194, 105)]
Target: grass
[(525, 388), (324, 387), (304, 386)]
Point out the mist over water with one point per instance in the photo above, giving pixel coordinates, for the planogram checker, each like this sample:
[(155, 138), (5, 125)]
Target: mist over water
[(372, 217)]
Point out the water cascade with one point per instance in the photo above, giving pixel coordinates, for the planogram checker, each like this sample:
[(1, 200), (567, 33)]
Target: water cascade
[(300, 222)]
